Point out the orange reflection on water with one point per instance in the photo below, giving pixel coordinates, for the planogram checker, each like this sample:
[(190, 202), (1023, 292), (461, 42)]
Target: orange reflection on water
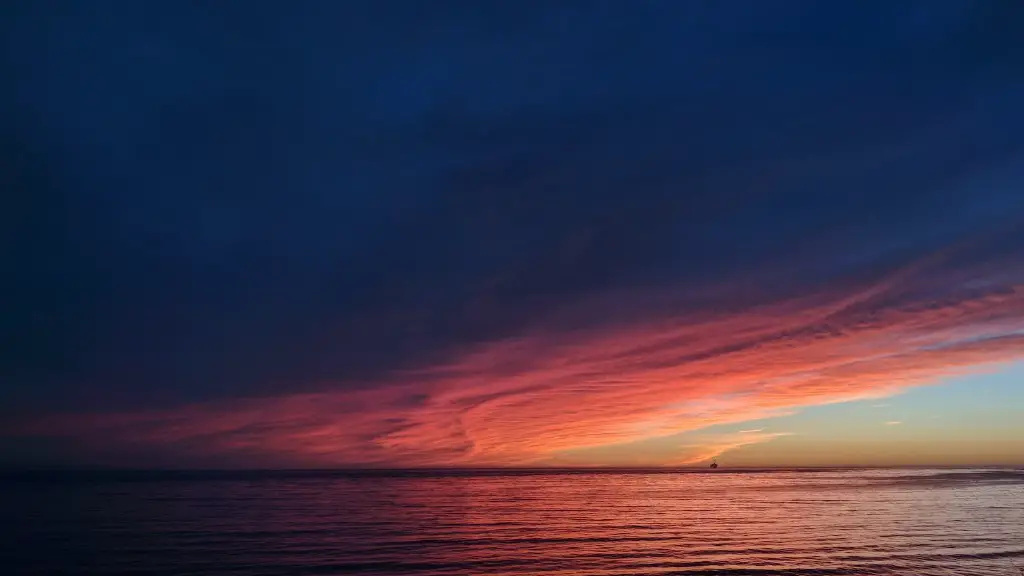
[(876, 522), (922, 523)]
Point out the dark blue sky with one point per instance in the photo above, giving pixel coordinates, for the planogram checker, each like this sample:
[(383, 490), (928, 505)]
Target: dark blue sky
[(234, 199)]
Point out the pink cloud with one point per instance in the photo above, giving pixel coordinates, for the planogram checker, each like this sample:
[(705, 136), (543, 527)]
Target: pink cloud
[(534, 398)]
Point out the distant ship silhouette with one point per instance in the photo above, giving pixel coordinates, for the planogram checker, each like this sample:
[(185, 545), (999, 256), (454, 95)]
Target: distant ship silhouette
[(714, 464)]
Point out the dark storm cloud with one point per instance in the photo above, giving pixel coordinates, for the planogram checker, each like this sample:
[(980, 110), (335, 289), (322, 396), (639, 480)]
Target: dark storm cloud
[(232, 199)]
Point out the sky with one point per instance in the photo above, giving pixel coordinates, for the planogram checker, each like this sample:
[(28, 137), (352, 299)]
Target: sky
[(478, 233)]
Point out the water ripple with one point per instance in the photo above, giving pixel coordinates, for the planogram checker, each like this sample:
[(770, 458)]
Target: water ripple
[(636, 523)]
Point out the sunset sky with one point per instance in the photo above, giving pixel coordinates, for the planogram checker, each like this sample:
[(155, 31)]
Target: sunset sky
[(528, 233)]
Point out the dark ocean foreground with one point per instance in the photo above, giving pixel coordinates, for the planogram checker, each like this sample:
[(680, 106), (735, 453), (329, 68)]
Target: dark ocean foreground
[(570, 523)]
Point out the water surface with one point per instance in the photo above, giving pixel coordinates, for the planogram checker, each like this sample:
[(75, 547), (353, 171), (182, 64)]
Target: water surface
[(842, 522)]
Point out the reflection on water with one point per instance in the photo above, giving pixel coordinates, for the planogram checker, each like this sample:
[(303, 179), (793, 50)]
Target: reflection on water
[(825, 522)]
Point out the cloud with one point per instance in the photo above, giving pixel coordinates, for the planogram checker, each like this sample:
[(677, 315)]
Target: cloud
[(530, 399), (710, 447), (893, 423), (693, 448), (751, 431)]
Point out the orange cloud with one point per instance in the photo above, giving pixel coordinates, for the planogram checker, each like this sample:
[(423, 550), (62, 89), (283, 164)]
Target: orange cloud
[(533, 399), (711, 447), (698, 448)]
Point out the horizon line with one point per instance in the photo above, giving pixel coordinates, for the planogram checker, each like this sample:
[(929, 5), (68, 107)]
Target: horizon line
[(501, 469)]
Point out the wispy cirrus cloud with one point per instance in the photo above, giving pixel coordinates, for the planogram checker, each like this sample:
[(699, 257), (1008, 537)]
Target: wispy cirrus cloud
[(712, 446), (531, 400)]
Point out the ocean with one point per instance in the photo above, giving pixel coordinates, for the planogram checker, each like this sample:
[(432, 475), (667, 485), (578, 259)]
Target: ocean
[(566, 523)]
